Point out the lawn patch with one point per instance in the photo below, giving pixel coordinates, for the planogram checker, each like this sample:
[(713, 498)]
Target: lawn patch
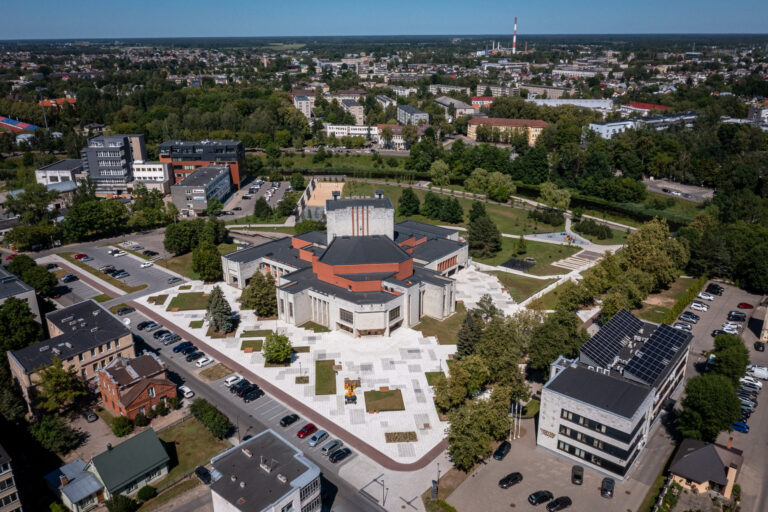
[(182, 264), (304, 379), (102, 297), (433, 376), (379, 401), (215, 372), (325, 377), (104, 277), (254, 345), (114, 309), (171, 493), (544, 254), (219, 335), (260, 333), (445, 330), (531, 409), (188, 301), (158, 300), (549, 300), (401, 437), (521, 287), (315, 327), (300, 350), (185, 287), (196, 324)]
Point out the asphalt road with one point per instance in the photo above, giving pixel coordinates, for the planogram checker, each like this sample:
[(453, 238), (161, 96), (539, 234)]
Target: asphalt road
[(256, 417)]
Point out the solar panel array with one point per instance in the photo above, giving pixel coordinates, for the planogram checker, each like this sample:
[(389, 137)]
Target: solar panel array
[(604, 346), (653, 359)]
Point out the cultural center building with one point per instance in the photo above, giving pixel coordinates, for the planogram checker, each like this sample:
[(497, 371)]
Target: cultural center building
[(365, 275)]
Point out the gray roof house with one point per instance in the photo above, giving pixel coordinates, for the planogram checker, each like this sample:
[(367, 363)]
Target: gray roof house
[(76, 487)]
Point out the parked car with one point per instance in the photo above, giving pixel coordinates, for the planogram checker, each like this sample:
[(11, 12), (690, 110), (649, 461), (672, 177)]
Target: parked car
[(194, 356), (698, 307), (107, 268), (203, 474), (561, 503), (331, 446), (232, 379), (689, 317), (306, 430), (237, 209), (744, 305), (502, 450), (751, 380), (317, 438), (80, 256), (252, 395), (119, 253), (173, 338), (152, 326), (149, 253), (188, 349), (172, 280), (606, 487), (740, 426), (186, 392), (125, 311), (51, 266), (243, 383), (718, 332), (289, 420), (736, 316), (705, 296), (577, 475), (683, 326), (87, 258), (141, 325), (760, 346), (510, 480), (146, 264), (339, 455), (203, 361), (68, 278), (245, 390), (539, 497), (89, 415), (181, 346)]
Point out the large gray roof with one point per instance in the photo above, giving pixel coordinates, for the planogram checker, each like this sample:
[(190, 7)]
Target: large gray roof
[(436, 248), (358, 250), (407, 228), (372, 202), (305, 279), (130, 459), (612, 394), (68, 164), (278, 250), (84, 326), (10, 285), (203, 176), (701, 462)]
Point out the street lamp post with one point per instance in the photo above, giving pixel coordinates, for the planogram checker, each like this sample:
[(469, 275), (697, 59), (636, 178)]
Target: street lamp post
[(438, 473)]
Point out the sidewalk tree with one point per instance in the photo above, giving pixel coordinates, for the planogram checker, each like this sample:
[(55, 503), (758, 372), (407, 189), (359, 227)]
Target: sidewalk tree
[(206, 261), (554, 197), (297, 182), (277, 348), (731, 357), (214, 206), (409, 203), (260, 295), (40, 279), (219, 312), (710, 406)]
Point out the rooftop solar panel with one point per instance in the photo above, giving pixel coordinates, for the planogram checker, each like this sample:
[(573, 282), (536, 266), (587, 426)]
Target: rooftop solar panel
[(651, 362), (604, 346)]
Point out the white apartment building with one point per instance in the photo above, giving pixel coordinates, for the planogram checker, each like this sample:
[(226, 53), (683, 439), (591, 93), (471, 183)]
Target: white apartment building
[(444, 89), (303, 105), (354, 108), (385, 101), (406, 114), (401, 90), (349, 130), (155, 175)]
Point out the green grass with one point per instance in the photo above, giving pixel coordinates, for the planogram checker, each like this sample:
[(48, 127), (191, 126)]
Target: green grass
[(304, 379), (384, 401), (114, 309), (315, 327), (185, 287), (105, 415), (102, 297), (253, 344), (542, 252), (196, 324), (339, 161), (325, 377), (656, 306), (104, 277), (521, 287), (445, 330), (173, 492), (188, 301), (619, 238), (218, 335), (433, 376), (302, 349), (549, 300), (260, 333), (621, 219), (651, 313), (189, 444), (158, 300), (531, 409), (183, 264)]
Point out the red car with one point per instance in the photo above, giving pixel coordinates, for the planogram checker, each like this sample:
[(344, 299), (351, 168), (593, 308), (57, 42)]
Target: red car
[(80, 256), (8, 258), (745, 305), (306, 430)]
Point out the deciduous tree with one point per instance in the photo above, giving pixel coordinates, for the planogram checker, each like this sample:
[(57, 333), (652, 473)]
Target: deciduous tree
[(709, 407), (277, 348), (59, 387)]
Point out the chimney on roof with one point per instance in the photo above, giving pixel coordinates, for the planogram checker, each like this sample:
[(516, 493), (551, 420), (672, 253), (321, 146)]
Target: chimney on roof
[(335, 194), (379, 193), (63, 480)]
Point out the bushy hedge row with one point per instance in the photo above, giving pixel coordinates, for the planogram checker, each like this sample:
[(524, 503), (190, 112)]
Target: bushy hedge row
[(684, 300), (211, 417), (551, 217), (592, 228)]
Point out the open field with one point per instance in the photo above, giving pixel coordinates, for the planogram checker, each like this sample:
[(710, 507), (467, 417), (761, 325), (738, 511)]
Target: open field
[(542, 252), (657, 305), (183, 264), (189, 444), (521, 287), (215, 372), (188, 301)]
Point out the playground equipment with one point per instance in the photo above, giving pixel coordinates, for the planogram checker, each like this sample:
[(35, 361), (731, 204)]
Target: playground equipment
[(350, 397)]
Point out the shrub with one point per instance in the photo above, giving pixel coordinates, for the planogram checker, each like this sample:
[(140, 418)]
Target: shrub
[(122, 426), (120, 503), (551, 217), (174, 403), (590, 227), (141, 420), (146, 493), (161, 409), (209, 416)]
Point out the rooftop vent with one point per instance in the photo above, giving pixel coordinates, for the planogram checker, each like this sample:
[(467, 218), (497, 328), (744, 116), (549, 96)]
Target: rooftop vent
[(335, 194), (247, 453), (282, 478), (94, 329), (379, 193), (242, 484), (233, 478), (95, 312), (240, 501), (68, 319), (44, 348)]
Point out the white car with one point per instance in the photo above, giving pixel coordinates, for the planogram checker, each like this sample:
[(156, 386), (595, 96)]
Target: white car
[(146, 264), (186, 392), (203, 361), (119, 253), (232, 379), (731, 325), (705, 296), (699, 307), (751, 380)]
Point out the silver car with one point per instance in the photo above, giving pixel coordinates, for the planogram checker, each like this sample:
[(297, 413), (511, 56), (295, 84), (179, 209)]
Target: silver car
[(317, 438), (331, 447)]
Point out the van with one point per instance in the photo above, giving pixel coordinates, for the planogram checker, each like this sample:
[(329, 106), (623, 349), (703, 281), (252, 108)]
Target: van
[(758, 373)]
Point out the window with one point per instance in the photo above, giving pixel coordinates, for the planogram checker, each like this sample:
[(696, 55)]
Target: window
[(309, 489), (79, 357), (290, 309), (394, 313), (151, 392), (7, 500), (155, 473), (312, 506), (109, 345), (7, 483), (95, 366), (287, 508), (346, 316), (282, 308), (4, 468)]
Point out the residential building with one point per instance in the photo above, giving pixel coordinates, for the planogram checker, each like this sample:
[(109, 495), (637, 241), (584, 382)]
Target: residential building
[(108, 160), (9, 494), (532, 127), (643, 109), (656, 122), (303, 105), (479, 102), (84, 336), (602, 106), (497, 90), (397, 141), (546, 91), (402, 90), (599, 409), (12, 286), (66, 191), (608, 130), (265, 473), (185, 157), (350, 130), (701, 467), (365, 275), (459, 107), (444, 89), (138, 461), (76, 487), (578, 72), (191, 194), (132, 386), (347, 94), (154, 175), (407, 114), (354, 108), (70, 169), (385, 101)]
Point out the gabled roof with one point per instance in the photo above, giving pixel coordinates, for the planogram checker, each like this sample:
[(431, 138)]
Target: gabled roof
[(130, 459), (704, 462), (133, 393), (80, 482)]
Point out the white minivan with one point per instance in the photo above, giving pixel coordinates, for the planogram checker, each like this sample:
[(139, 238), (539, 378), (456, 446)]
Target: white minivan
[(186, 392)]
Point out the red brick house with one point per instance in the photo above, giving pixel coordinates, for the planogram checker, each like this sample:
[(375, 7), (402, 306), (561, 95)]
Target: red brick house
[(132, 386)]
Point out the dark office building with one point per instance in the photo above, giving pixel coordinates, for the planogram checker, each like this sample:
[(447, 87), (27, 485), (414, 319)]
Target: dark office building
[(186, 156), (108, 160)]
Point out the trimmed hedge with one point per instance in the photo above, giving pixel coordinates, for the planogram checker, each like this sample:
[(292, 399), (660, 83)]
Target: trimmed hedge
[(211, 417), (684, 300)]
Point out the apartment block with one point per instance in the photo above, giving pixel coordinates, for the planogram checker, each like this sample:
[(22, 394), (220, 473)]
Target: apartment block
[(445, 89), (9, 495), (70, 169), (154, 175), (186, 156), (191, 195), (533, 127), (407, 114), (108, 161), (354, 108), (303, 105)]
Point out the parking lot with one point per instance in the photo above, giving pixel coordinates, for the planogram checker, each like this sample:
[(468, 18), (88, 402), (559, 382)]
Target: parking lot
[(246, 205)]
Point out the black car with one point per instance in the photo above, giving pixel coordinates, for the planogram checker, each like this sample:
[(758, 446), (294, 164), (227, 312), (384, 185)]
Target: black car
[(339, 455), (288, 420), (244, 383), (718, 332), (181, 346), (577, 475), (125, 311), (736, 316), (502, 450), (245, 390), (51, 266), (510, 480), (149, 253), (561, 503), (69, 278), (159, 334), (715, 289), (760, 346), (252, 395), (203, 474), (141, 325), (237, 209), (194, 356), (172, 280), (606, 488), (188, 350), (540, 497)]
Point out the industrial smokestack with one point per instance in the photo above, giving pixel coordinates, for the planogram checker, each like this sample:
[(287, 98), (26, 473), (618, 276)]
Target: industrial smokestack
[(514, 38)]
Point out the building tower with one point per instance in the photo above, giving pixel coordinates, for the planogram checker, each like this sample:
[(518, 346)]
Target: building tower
[(514, 38)]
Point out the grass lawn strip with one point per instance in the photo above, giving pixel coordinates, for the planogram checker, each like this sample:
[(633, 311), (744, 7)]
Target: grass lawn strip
[(433, 376), (182, 264), (102, 298), (114, 309), (384, 401), (196, 324), (544, 254), (171, 493), (304, 379), (158, 300), (104, 277), (521, 287), (219, 335), (188, 301), (315, 327), (260, 333), (325, 377), (445, 330), (216, 372), (189, 444), (401, 437), (254, 345)]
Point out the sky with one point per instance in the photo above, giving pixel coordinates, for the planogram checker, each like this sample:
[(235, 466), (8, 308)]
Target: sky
[(76, 19)]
